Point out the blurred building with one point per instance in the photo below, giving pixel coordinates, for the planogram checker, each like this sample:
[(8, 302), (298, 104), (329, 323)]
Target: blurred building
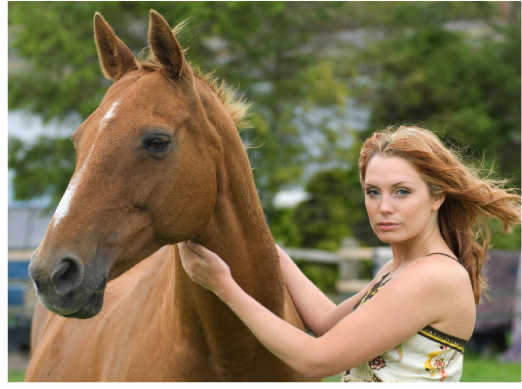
[(26, 228)]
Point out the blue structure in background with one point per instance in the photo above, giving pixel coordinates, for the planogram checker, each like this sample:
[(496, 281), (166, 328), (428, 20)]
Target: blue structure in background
[(18, 277)]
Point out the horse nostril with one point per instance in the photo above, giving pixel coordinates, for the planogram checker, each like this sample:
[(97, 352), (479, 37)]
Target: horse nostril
[(67, 275)]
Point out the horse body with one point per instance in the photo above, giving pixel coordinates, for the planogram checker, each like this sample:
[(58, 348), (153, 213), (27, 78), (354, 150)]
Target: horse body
[(139, 336), (159, 162), (100, 349)]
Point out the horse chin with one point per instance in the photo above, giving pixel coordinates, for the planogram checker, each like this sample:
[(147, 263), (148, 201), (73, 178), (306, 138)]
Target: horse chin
[(93, 306)]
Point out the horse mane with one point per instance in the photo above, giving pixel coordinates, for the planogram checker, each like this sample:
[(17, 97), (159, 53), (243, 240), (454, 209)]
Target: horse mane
[(237, 107)]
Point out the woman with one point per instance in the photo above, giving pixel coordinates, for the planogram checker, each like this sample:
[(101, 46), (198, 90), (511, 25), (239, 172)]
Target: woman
[(413, 320)]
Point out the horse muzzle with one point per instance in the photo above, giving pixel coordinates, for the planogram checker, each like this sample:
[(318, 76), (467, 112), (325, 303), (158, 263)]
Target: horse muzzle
[(93, 306), (64, 288)]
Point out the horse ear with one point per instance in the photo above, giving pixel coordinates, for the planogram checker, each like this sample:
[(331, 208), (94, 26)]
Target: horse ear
[(164, 45), (115, 58)]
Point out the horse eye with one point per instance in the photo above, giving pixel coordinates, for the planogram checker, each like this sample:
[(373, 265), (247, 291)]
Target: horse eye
[(158, 144)]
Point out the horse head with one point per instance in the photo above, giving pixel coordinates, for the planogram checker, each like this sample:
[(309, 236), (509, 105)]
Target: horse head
[(147, 162)]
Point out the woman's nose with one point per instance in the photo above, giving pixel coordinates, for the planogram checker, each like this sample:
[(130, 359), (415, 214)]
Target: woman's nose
[(386, 205)]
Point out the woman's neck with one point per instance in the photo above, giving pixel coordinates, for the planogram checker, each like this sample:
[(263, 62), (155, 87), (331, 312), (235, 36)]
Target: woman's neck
[(430, 241)]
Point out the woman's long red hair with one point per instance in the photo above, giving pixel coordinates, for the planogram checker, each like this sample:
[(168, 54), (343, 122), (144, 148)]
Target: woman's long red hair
[(469, 199)]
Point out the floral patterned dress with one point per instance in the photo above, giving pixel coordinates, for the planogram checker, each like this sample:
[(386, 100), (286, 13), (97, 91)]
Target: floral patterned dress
[(429, 355)]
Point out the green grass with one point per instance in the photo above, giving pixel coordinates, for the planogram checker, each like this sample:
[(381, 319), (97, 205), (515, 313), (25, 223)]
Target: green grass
[(15, 375), (478, 369)]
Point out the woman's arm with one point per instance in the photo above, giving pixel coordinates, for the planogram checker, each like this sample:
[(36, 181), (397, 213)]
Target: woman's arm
[(313, 306), (418, 296), (318, 312)]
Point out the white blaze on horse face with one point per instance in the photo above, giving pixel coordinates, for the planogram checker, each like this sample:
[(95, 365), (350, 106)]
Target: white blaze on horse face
[(65, 202)]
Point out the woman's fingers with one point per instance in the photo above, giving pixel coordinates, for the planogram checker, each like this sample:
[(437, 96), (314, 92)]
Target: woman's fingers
[(202, 265), (191, 253), (200, 250), (184, 252), (188, 258)]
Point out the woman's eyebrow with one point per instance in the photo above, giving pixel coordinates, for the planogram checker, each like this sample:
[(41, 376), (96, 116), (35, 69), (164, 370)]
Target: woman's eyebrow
[(402, 182), (369, 184)]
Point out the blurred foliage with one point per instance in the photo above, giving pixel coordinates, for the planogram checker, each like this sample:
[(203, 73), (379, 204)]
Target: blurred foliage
[(504, 241), (323, 275), (404, 62), (284, 229), (335, 210), (465, 87), (258, 48), (43, 168)]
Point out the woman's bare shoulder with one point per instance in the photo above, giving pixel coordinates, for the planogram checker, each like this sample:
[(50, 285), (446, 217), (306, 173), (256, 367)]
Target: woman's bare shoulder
[(439, 268), (444, 284), (387, 268), (434, 280)]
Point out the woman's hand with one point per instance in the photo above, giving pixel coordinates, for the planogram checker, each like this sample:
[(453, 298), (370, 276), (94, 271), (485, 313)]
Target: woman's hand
[(203, 266)]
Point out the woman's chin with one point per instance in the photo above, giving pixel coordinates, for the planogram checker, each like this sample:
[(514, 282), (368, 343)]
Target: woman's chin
[(387, 237)]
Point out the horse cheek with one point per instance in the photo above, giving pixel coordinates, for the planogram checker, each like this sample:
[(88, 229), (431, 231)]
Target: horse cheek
[(190, 214)]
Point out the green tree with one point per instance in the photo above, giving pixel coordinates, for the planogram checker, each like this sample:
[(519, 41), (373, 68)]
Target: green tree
[(465, 88), (259, 48), (291, 60), (43, 168), (335, 210)]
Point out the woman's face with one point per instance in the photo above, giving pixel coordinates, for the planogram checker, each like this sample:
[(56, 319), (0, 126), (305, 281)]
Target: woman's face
[(398, 202)]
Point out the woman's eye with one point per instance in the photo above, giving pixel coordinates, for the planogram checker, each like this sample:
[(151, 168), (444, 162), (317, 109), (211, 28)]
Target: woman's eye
[(403, 192), (372, 192), (158, 144)]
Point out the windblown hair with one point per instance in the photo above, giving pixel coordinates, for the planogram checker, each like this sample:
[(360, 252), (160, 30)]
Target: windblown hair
[(236, 107), (469, 199)]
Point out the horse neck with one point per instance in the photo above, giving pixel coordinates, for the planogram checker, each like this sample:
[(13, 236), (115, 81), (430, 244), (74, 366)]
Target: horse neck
[(238, 233)]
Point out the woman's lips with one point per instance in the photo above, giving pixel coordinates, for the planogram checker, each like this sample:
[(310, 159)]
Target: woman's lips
[(386, 226)]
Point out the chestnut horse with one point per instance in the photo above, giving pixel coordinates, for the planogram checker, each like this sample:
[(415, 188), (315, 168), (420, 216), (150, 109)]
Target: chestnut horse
[(159, 162)]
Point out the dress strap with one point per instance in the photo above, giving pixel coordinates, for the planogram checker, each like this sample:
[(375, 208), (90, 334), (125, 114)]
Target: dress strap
[(449, 256), (374, 289), (443, 254), (443, 338)]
